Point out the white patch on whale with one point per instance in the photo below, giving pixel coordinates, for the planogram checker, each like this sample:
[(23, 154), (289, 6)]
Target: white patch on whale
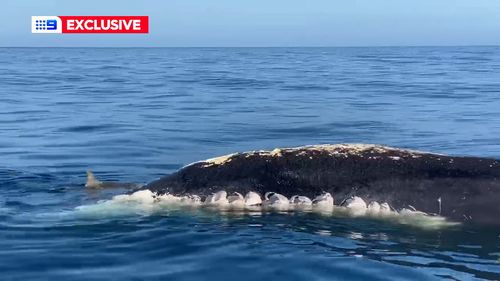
[(356, 206), (219, 198), (252, 199), (323, 202), (300, 201), (385, 209), (191, 199), (236, 201), (373, 208), (275, 200), (145, 202), (216, 160), (344, 150)]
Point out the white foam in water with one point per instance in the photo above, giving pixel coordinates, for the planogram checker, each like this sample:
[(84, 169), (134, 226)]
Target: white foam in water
[(140, 202), (143, 196), (145, 202)]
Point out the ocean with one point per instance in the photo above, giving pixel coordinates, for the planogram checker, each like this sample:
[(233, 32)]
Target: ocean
[(135, 114)]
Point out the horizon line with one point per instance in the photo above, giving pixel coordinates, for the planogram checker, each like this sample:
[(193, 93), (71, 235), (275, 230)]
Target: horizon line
[(178, 47)]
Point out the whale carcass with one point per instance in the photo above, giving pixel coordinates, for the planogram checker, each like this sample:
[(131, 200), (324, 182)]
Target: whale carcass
[(463, 189)]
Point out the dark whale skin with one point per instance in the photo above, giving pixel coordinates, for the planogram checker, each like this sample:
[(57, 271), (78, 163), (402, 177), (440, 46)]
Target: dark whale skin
[(469, 187)]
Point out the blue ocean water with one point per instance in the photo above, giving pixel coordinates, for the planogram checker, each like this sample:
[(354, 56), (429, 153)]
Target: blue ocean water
[(133, 115)]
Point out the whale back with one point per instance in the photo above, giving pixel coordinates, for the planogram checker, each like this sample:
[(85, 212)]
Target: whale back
[(460, 187)]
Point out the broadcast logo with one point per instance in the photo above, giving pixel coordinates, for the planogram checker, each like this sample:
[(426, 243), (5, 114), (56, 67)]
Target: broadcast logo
[(89, 24), (46, 24)]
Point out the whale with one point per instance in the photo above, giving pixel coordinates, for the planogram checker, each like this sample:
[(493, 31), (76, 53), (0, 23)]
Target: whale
[(463, 189)]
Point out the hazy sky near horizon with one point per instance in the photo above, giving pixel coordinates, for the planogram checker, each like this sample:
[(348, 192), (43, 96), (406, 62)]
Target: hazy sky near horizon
[(194, 23)]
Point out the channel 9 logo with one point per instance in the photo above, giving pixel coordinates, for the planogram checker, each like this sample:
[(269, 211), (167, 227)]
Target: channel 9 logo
[(89, 24), (46, 24)]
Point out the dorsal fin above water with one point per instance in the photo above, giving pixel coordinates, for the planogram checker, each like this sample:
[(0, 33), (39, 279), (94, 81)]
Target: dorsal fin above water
[(91, 180)]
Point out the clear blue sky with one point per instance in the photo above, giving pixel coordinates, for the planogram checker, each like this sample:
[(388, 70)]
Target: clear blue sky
[(267, 22)]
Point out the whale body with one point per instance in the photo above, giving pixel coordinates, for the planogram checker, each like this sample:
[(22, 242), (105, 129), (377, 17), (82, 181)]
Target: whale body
[(463, 189)]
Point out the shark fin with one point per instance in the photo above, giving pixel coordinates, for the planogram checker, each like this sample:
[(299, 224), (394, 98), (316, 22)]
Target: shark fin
[(92, 182)]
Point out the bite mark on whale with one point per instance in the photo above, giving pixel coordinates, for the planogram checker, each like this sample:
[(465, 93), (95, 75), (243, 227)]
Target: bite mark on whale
[(146, 202)]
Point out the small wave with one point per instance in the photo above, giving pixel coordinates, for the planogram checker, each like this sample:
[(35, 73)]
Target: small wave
[(86, 128), (145, 202)]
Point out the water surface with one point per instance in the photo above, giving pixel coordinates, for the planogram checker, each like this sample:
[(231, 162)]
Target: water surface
[(135, 114)]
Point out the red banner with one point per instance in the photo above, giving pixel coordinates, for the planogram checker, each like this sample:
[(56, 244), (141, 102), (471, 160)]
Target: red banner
[(105, 24)]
